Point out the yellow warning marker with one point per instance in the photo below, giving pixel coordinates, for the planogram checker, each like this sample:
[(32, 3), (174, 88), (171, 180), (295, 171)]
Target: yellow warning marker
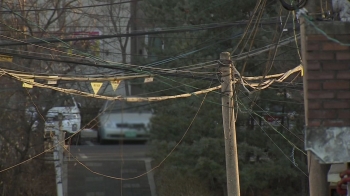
[(26, 85), (52, 80), (147, 80), (96, 86), (6, 58), (115, 84)]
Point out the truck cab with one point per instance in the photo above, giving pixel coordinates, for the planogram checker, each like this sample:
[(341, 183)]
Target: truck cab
[(71, 120)]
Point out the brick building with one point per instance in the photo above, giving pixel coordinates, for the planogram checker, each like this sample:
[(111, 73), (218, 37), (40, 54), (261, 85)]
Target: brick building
[(326, 60)]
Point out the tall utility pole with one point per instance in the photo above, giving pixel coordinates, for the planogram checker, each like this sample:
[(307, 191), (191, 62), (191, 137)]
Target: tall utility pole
[(228, 115), (58, 157), (318, 185)]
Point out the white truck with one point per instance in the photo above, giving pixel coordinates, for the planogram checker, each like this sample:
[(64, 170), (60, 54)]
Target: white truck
[(71, 120)]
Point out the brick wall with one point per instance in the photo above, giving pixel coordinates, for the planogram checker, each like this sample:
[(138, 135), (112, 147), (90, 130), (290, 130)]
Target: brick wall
[(327, 75), (327, 99)]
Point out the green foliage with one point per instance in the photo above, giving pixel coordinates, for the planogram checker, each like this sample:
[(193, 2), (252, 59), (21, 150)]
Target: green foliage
[(265, 162)]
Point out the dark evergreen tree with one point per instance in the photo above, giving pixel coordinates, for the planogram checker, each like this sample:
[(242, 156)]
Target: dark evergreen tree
[(269, 160)]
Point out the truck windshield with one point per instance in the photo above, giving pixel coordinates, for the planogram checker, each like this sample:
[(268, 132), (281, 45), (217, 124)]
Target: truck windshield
[(52, 118), (66, 103), (123, 106)]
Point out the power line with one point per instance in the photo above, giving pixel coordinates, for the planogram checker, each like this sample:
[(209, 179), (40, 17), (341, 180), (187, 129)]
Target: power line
[(151, 63), (128, 67), (264, 49), (71, 91), (170, 72), (129, 99), (66, 8), (275, 142), (133, 34), (21, 78)]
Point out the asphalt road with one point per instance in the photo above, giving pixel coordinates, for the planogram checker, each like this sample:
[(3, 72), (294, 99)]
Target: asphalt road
[(100, 165)]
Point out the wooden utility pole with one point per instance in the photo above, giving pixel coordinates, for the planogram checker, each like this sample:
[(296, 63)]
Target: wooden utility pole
[(318, 185), (228, 115), (58, 157)]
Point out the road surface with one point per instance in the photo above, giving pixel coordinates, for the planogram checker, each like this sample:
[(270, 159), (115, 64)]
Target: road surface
[(94, 176)]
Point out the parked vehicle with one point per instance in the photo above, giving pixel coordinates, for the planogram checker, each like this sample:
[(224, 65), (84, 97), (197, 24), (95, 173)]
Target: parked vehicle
[(124, 121)]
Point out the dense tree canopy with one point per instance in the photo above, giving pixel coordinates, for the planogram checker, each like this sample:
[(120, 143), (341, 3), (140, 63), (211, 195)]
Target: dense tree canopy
[(190, 130), (269, 122)]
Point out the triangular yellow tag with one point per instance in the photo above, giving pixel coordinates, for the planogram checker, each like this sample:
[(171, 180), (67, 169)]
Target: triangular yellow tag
[(96, 86), (6, 58), (115, 84), (26, 85), (52, 82), (147, 80)]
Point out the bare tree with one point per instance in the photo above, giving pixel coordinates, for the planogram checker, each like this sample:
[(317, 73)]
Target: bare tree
[(21, 108), (117, 17)]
